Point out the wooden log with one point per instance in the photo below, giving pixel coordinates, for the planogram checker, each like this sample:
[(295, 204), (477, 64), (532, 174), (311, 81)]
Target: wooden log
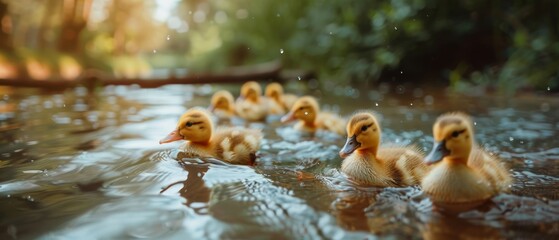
[(265, 71)]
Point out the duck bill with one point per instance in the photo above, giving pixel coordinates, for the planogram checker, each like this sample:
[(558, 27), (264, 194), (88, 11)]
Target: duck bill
[(438, 153), (350, 145), (290, 116), (173, 136)]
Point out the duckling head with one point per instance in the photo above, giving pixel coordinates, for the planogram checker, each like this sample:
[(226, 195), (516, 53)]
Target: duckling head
[(305, 109), (251, 90), (453, 135), (274, 91), (363, 133), (222, 100), (194, 125)]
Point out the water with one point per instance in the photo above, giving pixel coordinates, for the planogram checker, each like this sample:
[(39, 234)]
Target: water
[(75, 164)]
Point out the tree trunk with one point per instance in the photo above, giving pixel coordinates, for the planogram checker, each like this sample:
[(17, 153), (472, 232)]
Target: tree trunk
[(75, 14), (6, 43)]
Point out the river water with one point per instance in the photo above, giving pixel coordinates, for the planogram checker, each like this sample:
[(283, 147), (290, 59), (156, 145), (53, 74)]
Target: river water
[(76, 164)]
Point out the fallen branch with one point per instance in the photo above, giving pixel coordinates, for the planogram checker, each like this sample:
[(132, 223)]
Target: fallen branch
[(265, 71)]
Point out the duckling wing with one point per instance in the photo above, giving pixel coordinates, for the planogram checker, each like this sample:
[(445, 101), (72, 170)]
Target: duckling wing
[(490, 168), (331, 122), (273, 107), (237, 145), (250, 110), (404, 164)]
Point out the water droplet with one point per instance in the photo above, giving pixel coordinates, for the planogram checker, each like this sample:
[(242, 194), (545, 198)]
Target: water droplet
[(511, 139), (548, 88), (168, 37), (154, 51), (376, 104), (330, 33), (395, 28), (278, 15), (281, 51), (299, 78), (411, 104), (401, 72), (475, 123)]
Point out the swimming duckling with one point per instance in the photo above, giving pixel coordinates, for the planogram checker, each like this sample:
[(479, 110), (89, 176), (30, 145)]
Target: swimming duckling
[(467, 176), (306, 109), (368, 164), (222, 104), (250, 105), (233, 145), (280, 102)]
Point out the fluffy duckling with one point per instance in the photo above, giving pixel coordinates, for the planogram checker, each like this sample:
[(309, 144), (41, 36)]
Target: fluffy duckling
[(467, 176), (233, 145), (250, 105), (385, 167), (307, 111), (280, 102), (222, 104)]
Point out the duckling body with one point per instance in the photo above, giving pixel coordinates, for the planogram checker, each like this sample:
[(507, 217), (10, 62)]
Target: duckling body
[(222, 104), (368, 164), (307, 111), (250, 105), (233, 145), (464, 176), (279, 102)]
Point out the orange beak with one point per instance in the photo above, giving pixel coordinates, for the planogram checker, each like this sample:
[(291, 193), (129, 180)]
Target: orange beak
[(290, 116), (173, 136)]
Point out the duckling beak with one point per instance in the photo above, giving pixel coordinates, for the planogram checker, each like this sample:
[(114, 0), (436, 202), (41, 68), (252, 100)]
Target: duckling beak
[(350, 145), (438, 153), (290, 116), (173, 136)]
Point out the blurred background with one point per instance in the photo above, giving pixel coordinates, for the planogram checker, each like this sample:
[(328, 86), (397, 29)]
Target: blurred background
[(506, 46)]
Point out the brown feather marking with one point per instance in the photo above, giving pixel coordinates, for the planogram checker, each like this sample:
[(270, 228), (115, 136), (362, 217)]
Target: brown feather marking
[(357, 119), (219, 151), (447, 121), (396, 174)]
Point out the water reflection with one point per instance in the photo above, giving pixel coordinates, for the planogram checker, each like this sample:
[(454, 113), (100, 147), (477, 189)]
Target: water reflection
[(193, 189)]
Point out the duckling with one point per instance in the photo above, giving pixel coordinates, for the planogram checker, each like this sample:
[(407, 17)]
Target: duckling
[(306, 109), (250, 104), (233, 145), (222, 104), (368, 164), (280, 102), (467, 176)]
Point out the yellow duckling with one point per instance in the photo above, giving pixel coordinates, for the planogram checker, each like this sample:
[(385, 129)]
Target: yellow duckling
[(222, 104), (385, 167), (250, 105), (233, 145), (467, 175), (280, 102), (306, 109)]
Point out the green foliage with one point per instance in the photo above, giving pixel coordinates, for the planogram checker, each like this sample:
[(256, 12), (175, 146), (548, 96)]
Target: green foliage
[(495, 44)]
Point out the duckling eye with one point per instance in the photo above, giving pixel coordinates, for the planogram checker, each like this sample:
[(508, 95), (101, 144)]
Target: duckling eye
[(456, 133), (189, 124), (364, 128)]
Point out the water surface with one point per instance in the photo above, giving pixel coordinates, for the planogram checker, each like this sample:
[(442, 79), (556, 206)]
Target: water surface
[(75, 164)]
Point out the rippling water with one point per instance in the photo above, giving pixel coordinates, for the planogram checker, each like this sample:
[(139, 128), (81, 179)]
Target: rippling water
[(75, 164)]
